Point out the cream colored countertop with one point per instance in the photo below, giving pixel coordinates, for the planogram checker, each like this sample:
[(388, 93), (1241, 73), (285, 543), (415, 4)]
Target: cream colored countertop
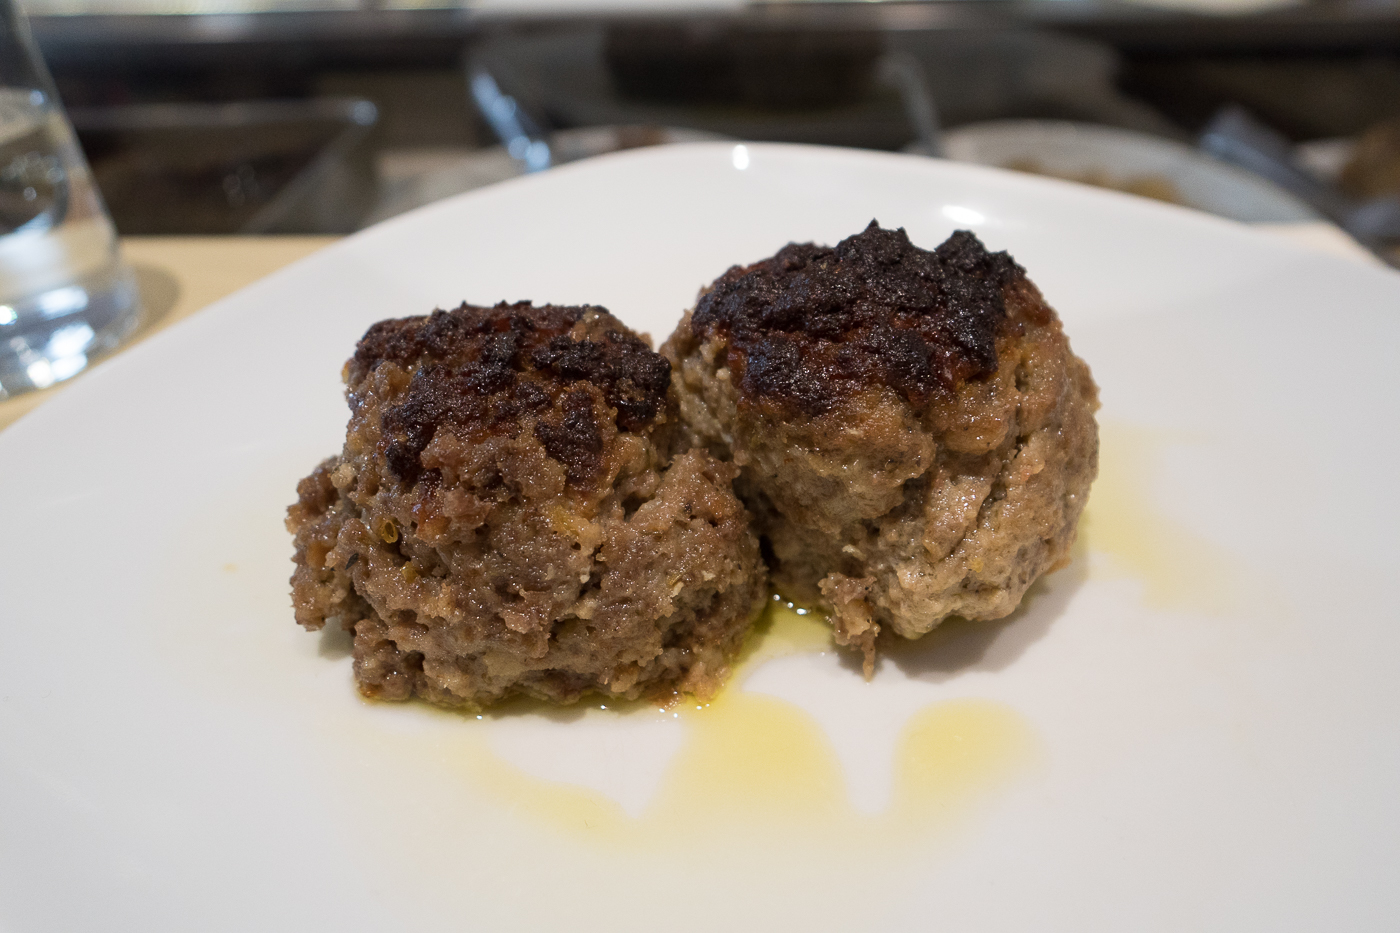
[(179, 275)]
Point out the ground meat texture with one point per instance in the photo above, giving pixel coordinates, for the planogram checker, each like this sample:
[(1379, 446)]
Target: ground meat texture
[(915, 436), (511, 514)]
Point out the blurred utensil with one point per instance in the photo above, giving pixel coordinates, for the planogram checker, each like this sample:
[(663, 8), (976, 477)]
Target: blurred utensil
[(522, 136), (905, 74)]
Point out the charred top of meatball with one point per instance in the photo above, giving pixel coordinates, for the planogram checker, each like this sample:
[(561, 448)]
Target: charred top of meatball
[(485, 371), (814, 324)]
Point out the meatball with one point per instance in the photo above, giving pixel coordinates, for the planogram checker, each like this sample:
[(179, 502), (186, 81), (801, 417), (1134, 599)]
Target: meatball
[(915, 436), (509, 516)]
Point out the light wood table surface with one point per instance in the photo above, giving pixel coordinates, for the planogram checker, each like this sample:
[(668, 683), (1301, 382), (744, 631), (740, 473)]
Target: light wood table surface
[(179, 275)]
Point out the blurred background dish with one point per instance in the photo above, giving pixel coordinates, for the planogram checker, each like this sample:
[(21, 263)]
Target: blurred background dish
[(1128, 161)]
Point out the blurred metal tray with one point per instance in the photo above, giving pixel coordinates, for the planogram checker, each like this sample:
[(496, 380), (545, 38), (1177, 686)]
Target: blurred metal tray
[(300, 166)]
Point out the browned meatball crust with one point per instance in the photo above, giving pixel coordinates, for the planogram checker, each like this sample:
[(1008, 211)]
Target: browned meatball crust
[(915, 436), (506, 517)]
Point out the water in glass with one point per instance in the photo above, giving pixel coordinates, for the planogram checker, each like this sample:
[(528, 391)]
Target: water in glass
[(65, 295)]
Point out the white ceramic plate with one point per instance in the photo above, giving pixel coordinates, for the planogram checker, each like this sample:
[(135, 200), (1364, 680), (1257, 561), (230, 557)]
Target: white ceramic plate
[(1192, 727)]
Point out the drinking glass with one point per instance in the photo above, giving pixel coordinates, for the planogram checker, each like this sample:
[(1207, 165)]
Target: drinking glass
[(65, 295)]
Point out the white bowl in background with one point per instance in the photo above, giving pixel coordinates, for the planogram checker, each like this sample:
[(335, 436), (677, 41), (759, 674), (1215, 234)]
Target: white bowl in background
[(1075, 150)]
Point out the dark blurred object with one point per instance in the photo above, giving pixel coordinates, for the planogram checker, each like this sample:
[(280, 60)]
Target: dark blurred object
[(1236, 136), (815, 87), (1374, 168), (980, 75), (1304, 96), (258, 167), (580, 77), (712, 65)]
